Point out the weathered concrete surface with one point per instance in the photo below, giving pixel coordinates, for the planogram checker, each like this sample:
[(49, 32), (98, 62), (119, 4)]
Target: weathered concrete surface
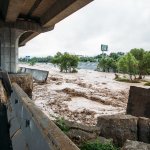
[(45, 13), (135, 145), (27, 20), (25, 81), (118, 127), (9, 48), (79, 133), (38, 75), (38, 131), (144, 129), (18, 141), (89, 129), (139, 102)]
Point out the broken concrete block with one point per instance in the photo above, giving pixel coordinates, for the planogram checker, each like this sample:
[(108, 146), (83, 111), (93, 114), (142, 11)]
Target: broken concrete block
[(139, 102), (22, 69), (80, 136), (38, 75), (25, 81), (144, 129), (135, 145), (118, 127)]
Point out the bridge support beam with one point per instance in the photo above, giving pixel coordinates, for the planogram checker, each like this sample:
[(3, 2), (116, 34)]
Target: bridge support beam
[(9, 48)]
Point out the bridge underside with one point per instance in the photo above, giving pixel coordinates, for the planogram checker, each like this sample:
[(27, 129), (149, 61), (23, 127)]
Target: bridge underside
[(22, 20)]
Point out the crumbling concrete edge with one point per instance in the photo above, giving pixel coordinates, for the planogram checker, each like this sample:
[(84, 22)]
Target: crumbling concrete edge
[(31, 127), (38, 75)]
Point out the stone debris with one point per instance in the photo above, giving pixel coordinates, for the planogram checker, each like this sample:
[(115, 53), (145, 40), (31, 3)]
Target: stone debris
[(135, 145), (118, 127)]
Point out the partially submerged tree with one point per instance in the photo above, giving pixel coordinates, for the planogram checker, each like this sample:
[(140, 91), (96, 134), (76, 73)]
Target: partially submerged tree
[(128, 64), (33, 61), (143, 58), (106, 64), (66, 62)]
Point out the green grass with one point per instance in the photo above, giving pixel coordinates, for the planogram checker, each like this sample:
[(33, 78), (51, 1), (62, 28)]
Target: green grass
[(60, 122), (126, 80), (96, 145), (147, 84)]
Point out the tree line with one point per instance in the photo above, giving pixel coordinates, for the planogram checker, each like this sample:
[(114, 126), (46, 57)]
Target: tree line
[(136, 63)]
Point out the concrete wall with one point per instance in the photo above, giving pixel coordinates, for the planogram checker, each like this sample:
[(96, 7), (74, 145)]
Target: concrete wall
[(139, 102), (24, 80), (38, 75), (123, 127), (9, 48), (30, 128)]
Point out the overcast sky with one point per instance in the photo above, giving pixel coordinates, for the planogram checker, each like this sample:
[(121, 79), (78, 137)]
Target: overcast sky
[(121, 24)]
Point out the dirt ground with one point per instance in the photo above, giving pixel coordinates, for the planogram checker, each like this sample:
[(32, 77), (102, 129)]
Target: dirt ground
[(82, 96)]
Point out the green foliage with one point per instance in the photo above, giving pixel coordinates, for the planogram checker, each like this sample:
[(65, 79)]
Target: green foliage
[(127, 80), (147, 84), (135, 62), (143, 59), (96, 145), (88, 59), (66, 62), (100, 56), (116, 56), (128, 64), (37, 59), (32, 61), (107, 63), (60, 122)]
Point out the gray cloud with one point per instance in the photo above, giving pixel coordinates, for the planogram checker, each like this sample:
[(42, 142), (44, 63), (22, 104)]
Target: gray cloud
[(122, 24)]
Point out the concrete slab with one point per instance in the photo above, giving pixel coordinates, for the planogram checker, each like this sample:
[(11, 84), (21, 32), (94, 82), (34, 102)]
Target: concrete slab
[(38, 75), (139, 102), (118, 127)]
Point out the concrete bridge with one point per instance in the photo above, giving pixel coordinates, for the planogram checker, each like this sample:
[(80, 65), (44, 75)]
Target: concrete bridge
[(22, 125), (22, 20)]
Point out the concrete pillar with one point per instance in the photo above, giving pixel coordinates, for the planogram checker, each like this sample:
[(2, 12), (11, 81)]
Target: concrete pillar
[(9, 48)]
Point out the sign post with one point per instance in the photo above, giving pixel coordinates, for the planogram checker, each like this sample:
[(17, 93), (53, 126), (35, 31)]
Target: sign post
[(104, 48)]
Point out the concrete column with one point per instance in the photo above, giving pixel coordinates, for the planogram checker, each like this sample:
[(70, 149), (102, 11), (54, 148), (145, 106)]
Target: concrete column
[(9, 48)]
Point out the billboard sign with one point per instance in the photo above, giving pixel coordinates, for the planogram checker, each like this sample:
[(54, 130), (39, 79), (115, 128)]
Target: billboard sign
[(104, 47)]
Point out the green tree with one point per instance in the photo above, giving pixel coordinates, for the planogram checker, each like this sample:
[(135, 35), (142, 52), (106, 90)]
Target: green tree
[(143, 58), (116, 56), (102, 64), (146, 62), (66, 62), (128, 64), (107, 63), (88, 59), (33, 61)]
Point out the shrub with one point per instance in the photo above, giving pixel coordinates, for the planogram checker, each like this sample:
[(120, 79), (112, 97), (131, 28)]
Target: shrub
[(60, 122), (97, 145), (126, 80), (147, 84), (66, 62), (32, 62)]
